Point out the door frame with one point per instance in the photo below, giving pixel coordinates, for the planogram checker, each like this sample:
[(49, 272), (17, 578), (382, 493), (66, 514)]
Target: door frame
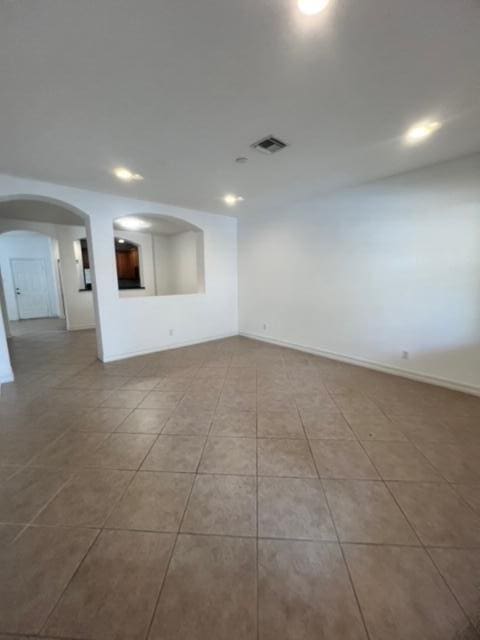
[(44, 265)]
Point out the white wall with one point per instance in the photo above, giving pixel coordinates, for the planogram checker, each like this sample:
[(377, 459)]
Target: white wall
[(130, 326), (79, 309), (179, 263), (28, 245), (370, 272)]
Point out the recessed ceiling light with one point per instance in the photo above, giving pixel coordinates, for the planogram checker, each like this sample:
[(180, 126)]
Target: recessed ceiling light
[(126, 175), (133, 224), (121, 241), (421, 131), (232, 199), (311, 7)]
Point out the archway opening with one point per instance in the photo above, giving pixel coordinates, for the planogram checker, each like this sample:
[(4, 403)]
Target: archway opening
[(43, 305), (158, 255)]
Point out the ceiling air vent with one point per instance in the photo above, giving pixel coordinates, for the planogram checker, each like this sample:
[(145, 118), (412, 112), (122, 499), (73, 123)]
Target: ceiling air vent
[(270, 144)]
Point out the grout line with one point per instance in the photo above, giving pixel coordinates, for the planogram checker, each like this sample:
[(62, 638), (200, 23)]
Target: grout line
[(82, 560), (423, 546), (360, 610), (174, 545)]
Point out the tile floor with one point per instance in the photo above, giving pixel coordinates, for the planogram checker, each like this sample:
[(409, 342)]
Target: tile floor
[(233, 491)]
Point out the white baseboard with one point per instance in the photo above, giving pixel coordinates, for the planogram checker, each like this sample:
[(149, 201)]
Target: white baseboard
[(80, 327), (370, 364), (6, 376), (176, 345)]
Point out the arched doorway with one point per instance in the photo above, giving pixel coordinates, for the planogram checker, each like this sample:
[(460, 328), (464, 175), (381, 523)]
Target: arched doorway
[(31, 294), (41, 296)]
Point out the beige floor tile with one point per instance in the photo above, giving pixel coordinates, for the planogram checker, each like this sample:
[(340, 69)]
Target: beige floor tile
[(224, 505), (457, 463), (402, 595), (342, 459), (18, 448), (235, 423), (293, 508), (8, 532), (57, 419), (285, 457), (124, 398), (364, 511), (142, 383), (315, 402), (113, 594), (461, 570), (374, 426), (8, 472), (175, 453), (243, 386), (22, 497), (354, 402), (279, 424), (73, 449), (327, 425), (176, 385), (400, 461), (305, 593), (34, 571), (154, 501), (470, 493), (87, 499), (193, 423), (101, 419), (244, 401), (209, 592), (122, 451), (418, 430), (196, 402), (230, 456), (276, 402), (438, 515), (52, 421), (150, 421), (167, 400)]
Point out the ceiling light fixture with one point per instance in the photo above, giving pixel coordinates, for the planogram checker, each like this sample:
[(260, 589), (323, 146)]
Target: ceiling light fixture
[(232, 199), (311, 7), (421, 131), (126, 175), (132, 224), (121, 241)]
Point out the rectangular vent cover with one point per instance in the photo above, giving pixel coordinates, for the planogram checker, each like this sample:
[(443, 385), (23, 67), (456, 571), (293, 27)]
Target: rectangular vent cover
[(270, 145)]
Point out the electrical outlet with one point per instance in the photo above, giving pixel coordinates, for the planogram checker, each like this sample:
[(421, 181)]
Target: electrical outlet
[(405, 355), (264, 326), (170, 332)]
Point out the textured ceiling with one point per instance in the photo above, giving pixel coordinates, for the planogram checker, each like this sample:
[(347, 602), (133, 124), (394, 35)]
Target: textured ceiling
[(177, 90)]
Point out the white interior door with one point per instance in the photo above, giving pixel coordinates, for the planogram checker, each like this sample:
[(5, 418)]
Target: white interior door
[(31, 287)]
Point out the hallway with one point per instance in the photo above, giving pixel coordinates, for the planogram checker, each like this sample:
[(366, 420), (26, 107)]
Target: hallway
[(36, 327), (233, 489)]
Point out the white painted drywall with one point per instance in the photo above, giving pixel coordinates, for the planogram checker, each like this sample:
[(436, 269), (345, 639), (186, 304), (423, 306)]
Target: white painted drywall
[(370, 272), (130, 326), (28, 245), (179, 263), (79, 309)]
